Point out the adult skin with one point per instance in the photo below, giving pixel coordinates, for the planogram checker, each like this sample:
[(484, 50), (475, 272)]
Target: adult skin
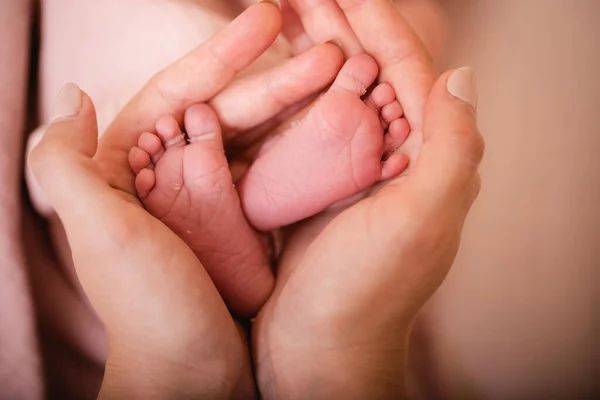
[(411, 228), (375, 26), (413, 223), (157, 301), (383, 33), (169, 333)]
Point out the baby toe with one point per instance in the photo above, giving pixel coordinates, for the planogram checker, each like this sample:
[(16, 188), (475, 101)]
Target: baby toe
[(138, 159), (150, 143), (201, 123), (392, 111), (382, 95), (397, 134), (144, 182), (394, 166), (168, 130), (356, 76)]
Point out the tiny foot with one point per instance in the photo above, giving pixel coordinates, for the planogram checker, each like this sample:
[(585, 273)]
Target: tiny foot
[(183, 179), (335, 152)]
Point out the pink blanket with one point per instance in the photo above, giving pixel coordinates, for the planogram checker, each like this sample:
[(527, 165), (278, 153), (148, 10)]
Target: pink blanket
[(20, 361), (51, 343)]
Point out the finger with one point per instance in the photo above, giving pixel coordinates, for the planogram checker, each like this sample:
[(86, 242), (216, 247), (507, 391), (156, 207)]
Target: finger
[(401, 55), (122, 273), (221, 58), (70, 137), (323, 20), (63, 167), (429, 21), (196, 77), (36, 194), (446, 173), (293, 30), (62, 162), (247, 145), (277, 89)]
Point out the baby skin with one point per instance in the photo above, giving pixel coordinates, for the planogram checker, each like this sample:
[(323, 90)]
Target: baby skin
[(339, 149)]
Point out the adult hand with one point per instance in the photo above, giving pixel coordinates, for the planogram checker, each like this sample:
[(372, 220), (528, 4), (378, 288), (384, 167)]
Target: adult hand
[(308, 23), (169, 332), (171, 92), (350, 285), (242, 106)]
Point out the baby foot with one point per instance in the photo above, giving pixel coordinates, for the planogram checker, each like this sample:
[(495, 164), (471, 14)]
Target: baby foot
[(338, 150), (183, 179)]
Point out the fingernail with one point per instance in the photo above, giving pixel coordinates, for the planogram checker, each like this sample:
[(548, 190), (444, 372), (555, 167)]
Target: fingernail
[(68, 102), (334, 42), (276, 3), (462, 84)]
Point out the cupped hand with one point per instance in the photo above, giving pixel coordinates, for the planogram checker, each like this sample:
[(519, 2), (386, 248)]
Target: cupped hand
[(350, 284), (162, 313), (372, 266), (169, 332)]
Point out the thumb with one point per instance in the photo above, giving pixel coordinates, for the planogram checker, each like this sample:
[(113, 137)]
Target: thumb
[(446, 171), (62, 162)]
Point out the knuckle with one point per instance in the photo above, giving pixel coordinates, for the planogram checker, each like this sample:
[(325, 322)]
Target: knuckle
[(182, 83), (168, 90), (277, 96), (223, 62), (477, 147), (173, 84), (470, 143)]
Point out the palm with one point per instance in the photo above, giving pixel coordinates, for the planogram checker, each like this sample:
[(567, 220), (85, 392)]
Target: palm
[(170, 282), (343, 299), (176, 294)]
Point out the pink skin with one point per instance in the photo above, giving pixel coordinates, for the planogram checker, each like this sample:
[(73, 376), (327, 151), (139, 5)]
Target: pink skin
[(335, 152), (190, 189)]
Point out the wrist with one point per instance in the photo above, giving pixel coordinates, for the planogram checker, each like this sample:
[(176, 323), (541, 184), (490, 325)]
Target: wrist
[(330, 370), (132, 375)]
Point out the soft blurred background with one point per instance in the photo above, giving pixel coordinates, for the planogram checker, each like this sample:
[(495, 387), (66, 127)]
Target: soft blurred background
[(518, 317)]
